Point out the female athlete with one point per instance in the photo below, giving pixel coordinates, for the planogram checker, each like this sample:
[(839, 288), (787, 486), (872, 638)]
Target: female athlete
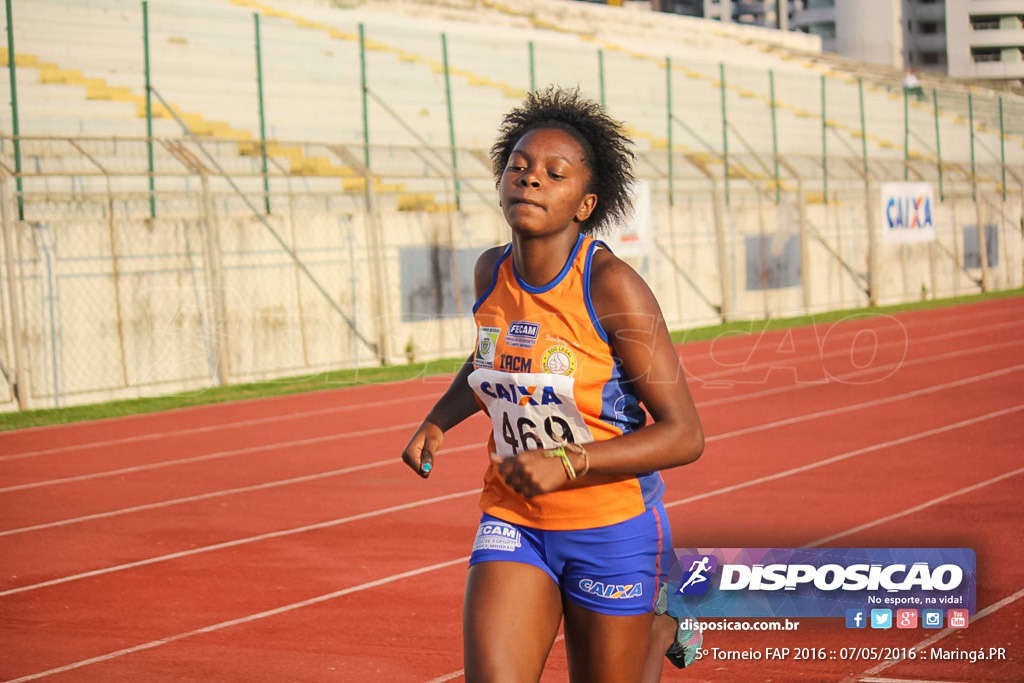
[(587, 399)]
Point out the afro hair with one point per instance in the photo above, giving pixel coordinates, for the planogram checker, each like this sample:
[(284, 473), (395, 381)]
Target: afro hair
[(607, 150)]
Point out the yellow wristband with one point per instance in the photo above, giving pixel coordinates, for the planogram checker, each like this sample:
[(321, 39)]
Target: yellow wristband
[(559, 452)]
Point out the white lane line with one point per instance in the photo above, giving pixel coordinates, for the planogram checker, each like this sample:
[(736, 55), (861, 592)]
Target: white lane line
[(209, 456), (332, 437), (939, 635), (226, 492), (844, 378), (156, 436), (813, 544), (241, 620), (831, 412), (796, 360), (324, 411), (414, 504), (846, 456), (917, 508), (396, 461), (240, 541)]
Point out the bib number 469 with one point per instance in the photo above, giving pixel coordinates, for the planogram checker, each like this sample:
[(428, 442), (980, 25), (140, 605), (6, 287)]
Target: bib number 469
[(524, 437)]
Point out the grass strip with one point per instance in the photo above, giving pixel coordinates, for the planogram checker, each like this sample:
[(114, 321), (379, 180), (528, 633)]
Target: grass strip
[(395, 373)]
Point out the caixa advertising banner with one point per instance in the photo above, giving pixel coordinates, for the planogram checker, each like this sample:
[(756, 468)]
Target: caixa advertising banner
[(819, 582), (908, 212)]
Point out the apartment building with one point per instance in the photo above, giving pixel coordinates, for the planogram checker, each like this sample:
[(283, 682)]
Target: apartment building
[(971, 39)]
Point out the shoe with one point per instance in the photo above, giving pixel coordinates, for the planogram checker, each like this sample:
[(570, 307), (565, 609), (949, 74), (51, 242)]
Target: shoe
[(687, 642)]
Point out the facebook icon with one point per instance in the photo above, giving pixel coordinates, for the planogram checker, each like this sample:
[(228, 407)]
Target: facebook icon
[(856, 618)]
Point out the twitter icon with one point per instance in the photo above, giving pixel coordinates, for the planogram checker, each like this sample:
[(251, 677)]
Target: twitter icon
[(881, 618)]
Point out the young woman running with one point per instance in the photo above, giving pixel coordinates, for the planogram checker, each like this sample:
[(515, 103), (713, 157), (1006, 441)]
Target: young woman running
[(571, 349)]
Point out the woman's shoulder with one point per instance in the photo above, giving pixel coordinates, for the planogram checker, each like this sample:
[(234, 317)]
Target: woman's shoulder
[(616, 288), (483, 272)]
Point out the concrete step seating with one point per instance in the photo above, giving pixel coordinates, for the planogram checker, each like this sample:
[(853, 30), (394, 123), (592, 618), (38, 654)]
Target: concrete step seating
[(203, 63)]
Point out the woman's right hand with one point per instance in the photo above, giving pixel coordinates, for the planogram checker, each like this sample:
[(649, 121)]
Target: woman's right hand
[(419, 452)]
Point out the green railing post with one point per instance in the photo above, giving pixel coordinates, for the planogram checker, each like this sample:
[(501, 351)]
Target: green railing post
[(863, 129), (775, 136), (365, 92), (451, 117), (974, 171), (668, 109), (533, 69), (824, 145), (15, 126), (600, 74), (1002, 144), (938, 144), (906, 135), (725, 130), (149, 111), (263, 123)]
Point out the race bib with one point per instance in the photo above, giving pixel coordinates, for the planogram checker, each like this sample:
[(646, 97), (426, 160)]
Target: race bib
[(530, 410)]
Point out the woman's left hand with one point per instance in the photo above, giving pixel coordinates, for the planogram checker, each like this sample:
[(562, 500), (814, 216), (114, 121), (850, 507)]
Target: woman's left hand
[(532, 473)]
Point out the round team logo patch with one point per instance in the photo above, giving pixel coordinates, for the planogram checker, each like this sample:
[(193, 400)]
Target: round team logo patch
[(559, 360)]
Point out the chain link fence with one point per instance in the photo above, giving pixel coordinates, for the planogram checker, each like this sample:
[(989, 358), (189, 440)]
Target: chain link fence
[(312, 194)]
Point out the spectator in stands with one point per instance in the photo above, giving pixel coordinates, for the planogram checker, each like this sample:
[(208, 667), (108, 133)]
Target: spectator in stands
[(912, 86), (571, 349)]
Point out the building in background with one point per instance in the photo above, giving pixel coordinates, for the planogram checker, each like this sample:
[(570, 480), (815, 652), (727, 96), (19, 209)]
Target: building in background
[(970, 39)]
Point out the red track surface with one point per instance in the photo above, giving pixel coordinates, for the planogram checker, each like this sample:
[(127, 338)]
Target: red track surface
[(282, 539)]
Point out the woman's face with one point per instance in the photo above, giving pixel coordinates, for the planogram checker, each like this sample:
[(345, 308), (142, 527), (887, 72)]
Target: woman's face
[(544, 185)]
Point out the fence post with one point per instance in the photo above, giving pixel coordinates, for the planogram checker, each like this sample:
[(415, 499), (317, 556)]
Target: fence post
[(15, 126), (600, 75), (451, 119), (263, 124), (863, 129), (215, 279), (533, 67), (805, 245), (149, 110), (872, 244), (363, 88), (668, 108), (725, 131), (722, 247), (21, 386), (906, 135), (982, 246), (775, 136), (1002, 145), (938, 144), (824, 145)]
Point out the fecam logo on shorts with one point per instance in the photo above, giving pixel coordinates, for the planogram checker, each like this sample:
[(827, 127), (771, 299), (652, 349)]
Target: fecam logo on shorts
[(696, 569), (497, 536)]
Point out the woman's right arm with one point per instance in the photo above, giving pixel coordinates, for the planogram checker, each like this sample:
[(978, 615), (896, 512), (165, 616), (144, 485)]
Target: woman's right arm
[(458, 402)]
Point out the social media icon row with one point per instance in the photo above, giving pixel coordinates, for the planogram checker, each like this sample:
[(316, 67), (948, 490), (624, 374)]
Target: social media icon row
[(905, 618)]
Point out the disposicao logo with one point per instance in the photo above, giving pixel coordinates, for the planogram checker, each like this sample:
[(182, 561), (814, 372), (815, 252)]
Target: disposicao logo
[(810, 582)]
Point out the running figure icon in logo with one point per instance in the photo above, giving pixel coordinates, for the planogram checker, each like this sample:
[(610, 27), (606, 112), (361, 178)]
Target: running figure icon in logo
[(700, 566)]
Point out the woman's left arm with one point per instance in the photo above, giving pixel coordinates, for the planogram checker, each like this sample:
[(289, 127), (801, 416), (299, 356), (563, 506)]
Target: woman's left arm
[(632, 318)]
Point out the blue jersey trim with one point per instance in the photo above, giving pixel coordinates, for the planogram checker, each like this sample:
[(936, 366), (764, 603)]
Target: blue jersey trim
[(494, 278), (652, 486), (586, 288), (558, 278)]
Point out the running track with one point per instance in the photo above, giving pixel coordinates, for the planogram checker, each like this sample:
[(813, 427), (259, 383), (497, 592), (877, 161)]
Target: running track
[(282, 539)]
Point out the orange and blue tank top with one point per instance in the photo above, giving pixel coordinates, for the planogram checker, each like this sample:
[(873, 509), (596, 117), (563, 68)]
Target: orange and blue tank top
[(545, 371)]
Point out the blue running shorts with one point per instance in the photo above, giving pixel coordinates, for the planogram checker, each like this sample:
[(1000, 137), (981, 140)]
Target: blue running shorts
[(616, 569)]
